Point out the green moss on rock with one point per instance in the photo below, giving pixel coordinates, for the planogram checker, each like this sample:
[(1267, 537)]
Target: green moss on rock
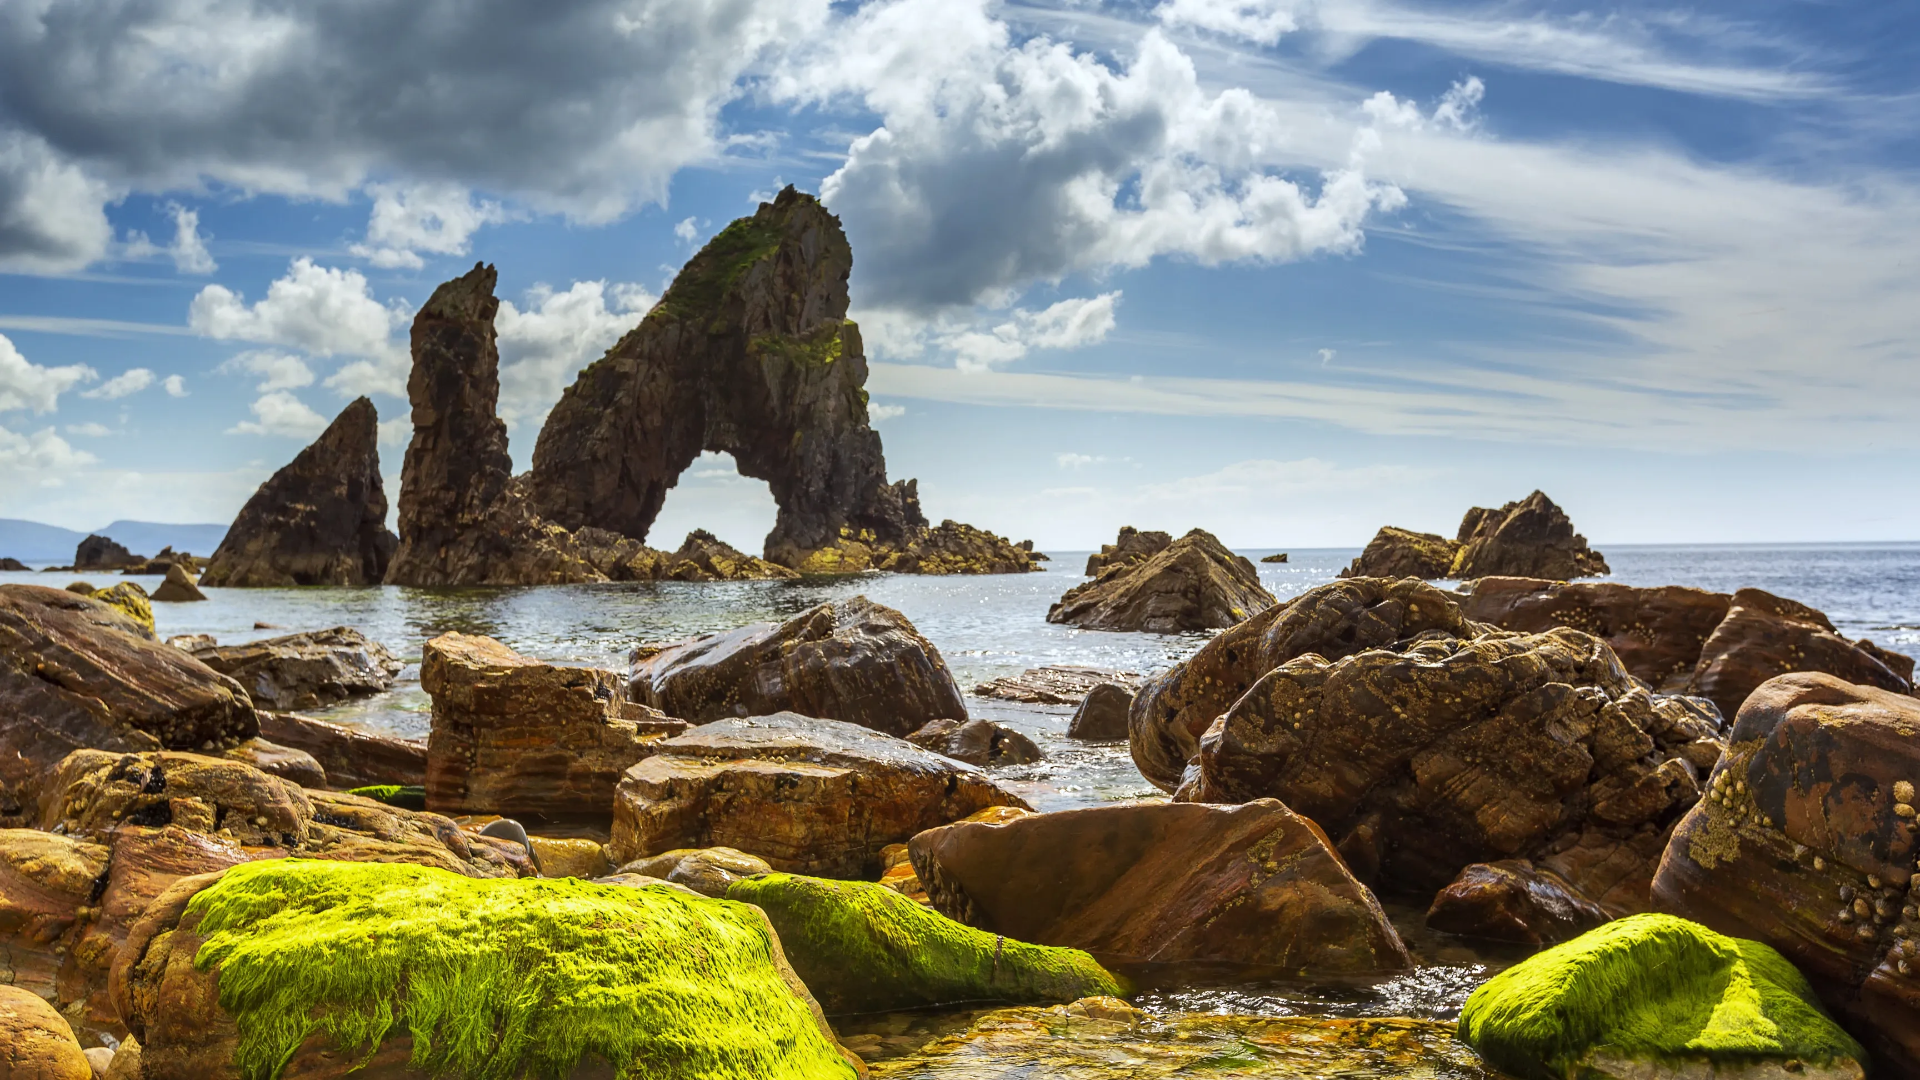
[(404, 796), (131, 599), (1649, 987), (501, 978), (861, 947), (707, 278)]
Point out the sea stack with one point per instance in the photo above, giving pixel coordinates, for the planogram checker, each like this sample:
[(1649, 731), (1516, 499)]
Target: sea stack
[(321, 520)]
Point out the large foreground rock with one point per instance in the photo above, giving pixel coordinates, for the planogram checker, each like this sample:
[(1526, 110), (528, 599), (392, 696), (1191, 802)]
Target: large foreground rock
[(1254, 884), (1454, 751), (1529, 538), (352, 758), (1656, 632), (851, 660), (528, 740), (1807, 841), (320, 520), (1195, 583), (77, 674), (809, 796), (1765, 635), (1656, 996), (35, 1043), (305, 671), (665, 984)]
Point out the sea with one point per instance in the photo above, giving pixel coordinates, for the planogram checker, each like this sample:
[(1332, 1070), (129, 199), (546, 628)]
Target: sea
[(992, 626)]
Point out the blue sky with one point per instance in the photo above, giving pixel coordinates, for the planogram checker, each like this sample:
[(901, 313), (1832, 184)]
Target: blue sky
[(1286, 269)]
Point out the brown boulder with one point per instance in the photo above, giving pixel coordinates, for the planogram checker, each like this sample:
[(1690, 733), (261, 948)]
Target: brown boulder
[(533, 741), (976, 742), (305, 671), (75, 673), (352, 758), (1338, 619), (1765, 635), (1102, 715), (1403, 553), (45, 882), (35, 1043), (1513, 900), (1131, 546), (1054, 684), (320, 520), (285, 762), (1807, 840), (809, 796), (1195, 583), (179, 588), (1656, 632), (1454, 751), (1529, 538), (851, 660), (1254, 884)]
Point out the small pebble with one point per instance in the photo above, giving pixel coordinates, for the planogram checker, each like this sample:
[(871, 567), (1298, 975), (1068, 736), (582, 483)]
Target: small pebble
[(1819, 863)]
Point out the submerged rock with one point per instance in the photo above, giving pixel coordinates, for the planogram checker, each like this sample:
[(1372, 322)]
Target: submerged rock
[(851, 660), (976, 742), (1529, 538), (656, 981), (351, 757), (1653, 995), (845, 941), (1656, 632), (1102, 715), (515, 736), (305, 671), (1131, 546), (1054, 684), (1195, 583), (1403, 553), (1513, 900), (1807, 841), (320, 520), (1765, 635), (807, 795), (35, 1042)]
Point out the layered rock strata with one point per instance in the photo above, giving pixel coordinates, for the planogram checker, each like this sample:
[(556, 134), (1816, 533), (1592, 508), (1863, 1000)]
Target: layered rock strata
[(305, 671), (1054, 684), (1656, 632), (320, 520), (1765, 635), (352, 758), (1194, 583)]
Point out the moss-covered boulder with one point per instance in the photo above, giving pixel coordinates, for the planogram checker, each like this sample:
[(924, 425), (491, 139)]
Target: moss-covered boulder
[(861, 947), (1655, 995), (293, 967), (132, 601)]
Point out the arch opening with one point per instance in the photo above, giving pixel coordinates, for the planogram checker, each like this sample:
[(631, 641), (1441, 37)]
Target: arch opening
[(713, 494)]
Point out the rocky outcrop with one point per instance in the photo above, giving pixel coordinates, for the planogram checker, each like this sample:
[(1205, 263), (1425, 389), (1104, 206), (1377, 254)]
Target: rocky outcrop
[(1400, 553), (705, 557), (532, 741), (45, 881), (1131, 546), (851, 660), (131, 600), (1529, 538), (1455, 750), (1193, 584), (320, 520), (807, 795), (179, 588), (750, 353), (35, 1042), (77, 674), (1765, 635), (11, 564), (976, 742), (352, 758), (161, 563), (305, 671), (1513, 900), (1055, 684), (1807, 841), (1254, 884), (100, 553), (1102, 715), (1656, 632)]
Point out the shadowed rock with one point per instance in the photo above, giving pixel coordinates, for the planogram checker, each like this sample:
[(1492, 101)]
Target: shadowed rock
[(976, 742), (100, 553), (320, 520), (1401, 553), (1765, 635), (1529, 538), (1102, 715), (1195, 583), (1513, 900), (305, 671), (352, 758)]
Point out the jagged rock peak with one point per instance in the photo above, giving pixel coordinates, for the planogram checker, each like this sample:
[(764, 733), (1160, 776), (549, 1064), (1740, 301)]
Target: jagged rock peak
[(320, 520)]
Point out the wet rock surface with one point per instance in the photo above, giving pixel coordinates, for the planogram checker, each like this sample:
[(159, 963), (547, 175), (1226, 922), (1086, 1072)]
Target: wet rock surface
[(320, 520), (1765, 635), (807, 795), (1656, 632), (305, 671), (1254, 884), (1807, 841), (1195, 583), (1102, 714), (1054, 684), (976, 742), (851, 660), (1513, 900)]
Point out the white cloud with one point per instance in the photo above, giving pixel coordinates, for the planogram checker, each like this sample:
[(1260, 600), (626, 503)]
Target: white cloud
[(280, 413), (53, 216), (42, 459), (27, 385), (125, 384), (277, 370), (979, 342), (437, 218), (880, 414), (1326, 356), (1457, 110), (175, 386), (189, 248), (685, 231), (1259, 21), (89, 430), (397, 432), (1077, 462), (316, 309), (543, 346)]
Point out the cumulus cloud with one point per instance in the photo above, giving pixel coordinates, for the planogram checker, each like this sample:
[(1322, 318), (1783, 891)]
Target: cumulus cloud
[(125, 384), (437, 218), (983, 341), (42, 459), (878, 413), (316, 309), (685, 231), (1457, 110), (543, 345), (1259, 21), (53, 216), (280, 413), (174, 385), (277, 370), (27, 385)]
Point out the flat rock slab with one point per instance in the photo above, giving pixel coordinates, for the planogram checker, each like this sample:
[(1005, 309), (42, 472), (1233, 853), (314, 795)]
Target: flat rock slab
[(1254, 884), (305, 671), (1053, 684)]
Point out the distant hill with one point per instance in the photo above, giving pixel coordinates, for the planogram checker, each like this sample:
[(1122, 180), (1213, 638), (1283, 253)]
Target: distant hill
[(32, 542)]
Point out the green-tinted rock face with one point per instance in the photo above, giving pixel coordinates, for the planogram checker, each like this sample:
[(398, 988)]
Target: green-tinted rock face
[(132, 601), (1652, 989), (864, 948), (497, 979)]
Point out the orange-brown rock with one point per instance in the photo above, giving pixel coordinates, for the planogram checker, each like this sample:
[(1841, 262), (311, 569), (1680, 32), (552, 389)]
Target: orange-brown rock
[(707, 871), (1401, 553), (76, 673), (1131, 546), (352, 758), (529, 740), (1765, 635), (809, 796), (35, 1043), (1513, 900), (179, 587), (1807, 841), (1173, 708), (1254, 884), (976, 742), (851, 660), (305, 671), (1656, 632), (285, 762), (1454, 751), (1529, 538), (1195, 583), (45, 882)]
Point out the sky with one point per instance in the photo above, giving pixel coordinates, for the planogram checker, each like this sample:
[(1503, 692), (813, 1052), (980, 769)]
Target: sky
[(1287, 270)]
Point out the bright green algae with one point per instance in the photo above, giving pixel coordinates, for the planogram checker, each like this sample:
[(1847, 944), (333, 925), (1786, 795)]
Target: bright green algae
[(404, 796), (861, 947), (500, 978), (1653, 986)]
